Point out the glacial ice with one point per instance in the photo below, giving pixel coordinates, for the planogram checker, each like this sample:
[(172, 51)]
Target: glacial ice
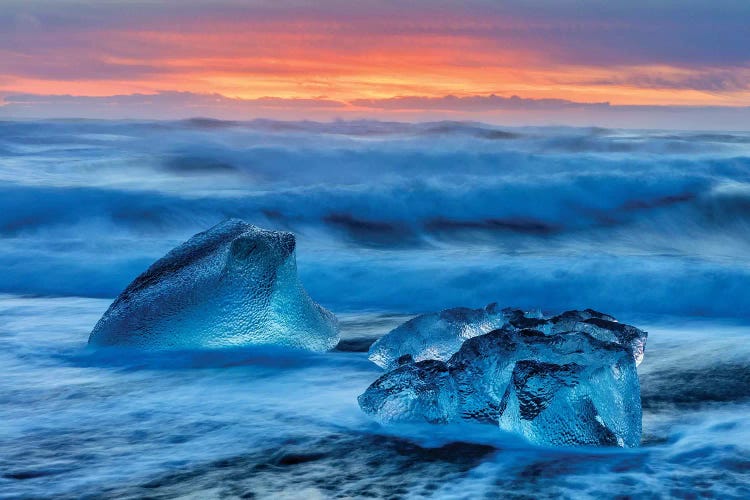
[(568, 388), (422, 391), (436, 335), (440, 335), (233, 285)]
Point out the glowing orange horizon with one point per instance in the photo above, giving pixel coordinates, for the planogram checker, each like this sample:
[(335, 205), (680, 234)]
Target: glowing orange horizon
[(314, 60)]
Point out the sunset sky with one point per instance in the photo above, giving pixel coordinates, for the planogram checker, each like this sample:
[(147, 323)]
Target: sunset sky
[(390, 59)]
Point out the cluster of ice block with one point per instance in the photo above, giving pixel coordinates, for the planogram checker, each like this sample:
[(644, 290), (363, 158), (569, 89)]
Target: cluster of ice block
[(568, 379)]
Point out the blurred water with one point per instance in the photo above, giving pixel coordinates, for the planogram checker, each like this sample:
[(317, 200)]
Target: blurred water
[(456, 213), (392, 220), (270, 423)]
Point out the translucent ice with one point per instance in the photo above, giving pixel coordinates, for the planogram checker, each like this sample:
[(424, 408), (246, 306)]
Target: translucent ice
[(437, 335), (440, 335), (423, 391), (553, 404), (233, 285), (558, 388)]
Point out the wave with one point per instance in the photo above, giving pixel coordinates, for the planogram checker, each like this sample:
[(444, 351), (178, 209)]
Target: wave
[(390, 215), (410, 213), (418, 281)]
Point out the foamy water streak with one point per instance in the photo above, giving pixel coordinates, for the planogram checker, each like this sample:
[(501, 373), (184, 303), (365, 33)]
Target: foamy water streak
[(456, 213), (272, 422)]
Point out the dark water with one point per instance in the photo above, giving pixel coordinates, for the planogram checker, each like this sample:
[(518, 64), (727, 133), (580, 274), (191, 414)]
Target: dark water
[(392, 220)]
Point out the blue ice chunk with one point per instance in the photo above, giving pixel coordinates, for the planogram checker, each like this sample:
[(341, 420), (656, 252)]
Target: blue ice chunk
[(233, 285), (559, 389), (424, 391), (438, 335)]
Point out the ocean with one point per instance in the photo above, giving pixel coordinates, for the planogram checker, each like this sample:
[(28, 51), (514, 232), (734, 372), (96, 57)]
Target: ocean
[(391, 220)]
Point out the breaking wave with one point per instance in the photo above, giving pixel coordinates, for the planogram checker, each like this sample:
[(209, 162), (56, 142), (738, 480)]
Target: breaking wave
[(408, 216)]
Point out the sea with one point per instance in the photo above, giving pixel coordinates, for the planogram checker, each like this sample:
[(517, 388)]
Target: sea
[(392, 220)]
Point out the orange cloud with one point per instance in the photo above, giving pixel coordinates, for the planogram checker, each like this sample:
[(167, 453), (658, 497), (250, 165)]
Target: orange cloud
[(350, 57)]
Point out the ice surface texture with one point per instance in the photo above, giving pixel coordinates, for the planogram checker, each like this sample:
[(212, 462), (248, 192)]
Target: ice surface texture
[(567, 380), (440, 335), (233, 285), (435, 335)]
